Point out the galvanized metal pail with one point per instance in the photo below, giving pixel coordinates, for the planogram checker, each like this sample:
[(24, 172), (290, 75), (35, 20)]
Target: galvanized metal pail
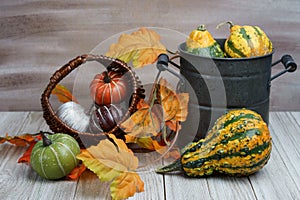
[(221, 84)]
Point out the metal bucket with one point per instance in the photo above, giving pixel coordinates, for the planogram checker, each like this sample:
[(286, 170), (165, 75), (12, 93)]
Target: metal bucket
[(221, 84)]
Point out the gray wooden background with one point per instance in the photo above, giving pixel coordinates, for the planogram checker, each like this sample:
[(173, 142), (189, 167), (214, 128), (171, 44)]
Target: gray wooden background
[(37, 37)]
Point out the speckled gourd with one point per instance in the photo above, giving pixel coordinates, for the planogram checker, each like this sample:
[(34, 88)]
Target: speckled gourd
[(247, 41), (200, 42), (239, 144)]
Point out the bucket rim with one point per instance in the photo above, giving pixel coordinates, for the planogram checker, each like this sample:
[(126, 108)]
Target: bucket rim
[(181, 48)]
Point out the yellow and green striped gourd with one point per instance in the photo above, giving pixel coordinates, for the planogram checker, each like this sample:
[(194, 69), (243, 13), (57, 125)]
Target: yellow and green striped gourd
[(239, 144), (247, 41)]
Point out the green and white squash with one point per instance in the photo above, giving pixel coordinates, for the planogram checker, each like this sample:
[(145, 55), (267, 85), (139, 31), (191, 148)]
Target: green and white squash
[(239, 144), (55, 156)]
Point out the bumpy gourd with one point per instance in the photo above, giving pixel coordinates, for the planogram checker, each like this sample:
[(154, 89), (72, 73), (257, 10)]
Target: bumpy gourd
[(247, 41), (200, 42), (55, 156), (238, 144)]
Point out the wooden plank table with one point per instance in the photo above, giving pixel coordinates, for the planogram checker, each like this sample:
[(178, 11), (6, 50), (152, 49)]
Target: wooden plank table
[(279, 179)]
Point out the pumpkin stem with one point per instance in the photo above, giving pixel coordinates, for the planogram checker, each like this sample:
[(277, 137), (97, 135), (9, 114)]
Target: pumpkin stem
[(201, 28), (106, 79), (46, 141), (175, 166), (223, 23)]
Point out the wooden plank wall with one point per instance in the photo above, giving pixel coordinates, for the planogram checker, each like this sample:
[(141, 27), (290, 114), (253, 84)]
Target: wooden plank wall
[(37, 37)]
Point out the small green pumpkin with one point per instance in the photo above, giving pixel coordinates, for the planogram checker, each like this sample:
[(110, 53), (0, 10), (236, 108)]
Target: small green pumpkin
[(238, 144), (55, 156), (247, 41), (200, 42)]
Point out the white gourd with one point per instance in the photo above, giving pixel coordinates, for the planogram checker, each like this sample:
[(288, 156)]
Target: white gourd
[(74, 115)]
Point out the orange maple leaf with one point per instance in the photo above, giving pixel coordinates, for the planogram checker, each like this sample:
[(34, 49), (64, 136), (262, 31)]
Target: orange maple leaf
[(142, 47), (76, 172), (114, 161), (25, 158), (144, 122), (63, 94), (150, 118), (175, 106), (126, 185)]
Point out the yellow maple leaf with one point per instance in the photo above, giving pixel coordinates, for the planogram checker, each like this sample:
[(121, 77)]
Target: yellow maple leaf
[(113, 161), (142, 47)]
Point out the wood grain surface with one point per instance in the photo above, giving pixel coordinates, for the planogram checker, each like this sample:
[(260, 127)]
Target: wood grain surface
[(38, 37), (279, 179)]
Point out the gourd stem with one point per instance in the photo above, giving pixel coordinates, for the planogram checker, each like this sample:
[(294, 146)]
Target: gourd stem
[(46, 141), (175, 166), (223, 23), (201, 28), (106, 79)]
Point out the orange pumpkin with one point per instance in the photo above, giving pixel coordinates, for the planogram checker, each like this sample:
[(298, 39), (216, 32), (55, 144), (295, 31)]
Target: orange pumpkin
[(109, 87)]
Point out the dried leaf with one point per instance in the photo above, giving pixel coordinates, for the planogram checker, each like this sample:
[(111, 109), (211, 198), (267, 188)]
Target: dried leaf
[(25, 158), (111, 161), (63, 94), (142, 47), (20, 140), (144, 122), (150, 118), (144, 142), (175, 106), (151, 144), (126, 185), (76, 172)]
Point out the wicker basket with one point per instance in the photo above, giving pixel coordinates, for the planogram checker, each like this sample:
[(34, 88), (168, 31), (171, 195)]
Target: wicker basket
[(86, 139)]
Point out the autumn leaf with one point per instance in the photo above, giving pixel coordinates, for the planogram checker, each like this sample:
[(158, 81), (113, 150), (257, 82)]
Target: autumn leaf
[(144, 142), (25, 158), (23, 140), (143, 122), (20, 140), (76, 172), (114, 161), (63, 94), (153, 145), (126, 185), (150, 118), (142, 47), (175, 106)]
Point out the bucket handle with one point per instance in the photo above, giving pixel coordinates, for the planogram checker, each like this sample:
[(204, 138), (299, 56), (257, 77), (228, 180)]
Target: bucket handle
[(162, 65), (289, 64)]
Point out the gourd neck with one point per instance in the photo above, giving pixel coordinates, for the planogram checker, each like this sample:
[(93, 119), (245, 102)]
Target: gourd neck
[(106, 79), (46, 140), (175, 166)]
